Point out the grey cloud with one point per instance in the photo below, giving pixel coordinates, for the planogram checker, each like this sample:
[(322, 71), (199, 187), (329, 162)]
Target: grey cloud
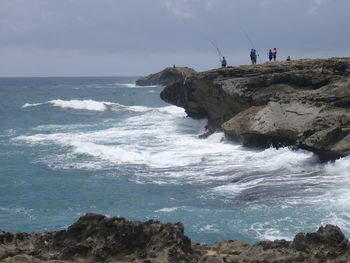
[(164, 32)]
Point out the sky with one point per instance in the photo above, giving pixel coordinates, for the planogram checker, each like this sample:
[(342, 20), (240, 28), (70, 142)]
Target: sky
[(40, 38)]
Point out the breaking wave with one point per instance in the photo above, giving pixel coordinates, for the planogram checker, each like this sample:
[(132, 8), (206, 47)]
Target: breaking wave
[(89, 105), (133, 85)]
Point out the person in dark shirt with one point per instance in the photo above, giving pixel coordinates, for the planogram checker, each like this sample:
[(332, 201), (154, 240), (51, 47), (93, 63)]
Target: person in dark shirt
[(223, 62), (270, 55), (253, 56), (274, 54)]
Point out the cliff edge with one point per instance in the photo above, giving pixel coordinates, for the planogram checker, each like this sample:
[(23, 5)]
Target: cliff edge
[(96, 238), (305, 103)]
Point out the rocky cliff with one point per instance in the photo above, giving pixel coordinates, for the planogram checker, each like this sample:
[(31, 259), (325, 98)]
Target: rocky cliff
[(305, 103), (96, 238)]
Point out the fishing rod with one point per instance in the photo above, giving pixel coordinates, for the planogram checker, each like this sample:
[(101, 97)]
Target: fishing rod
[(250, 41), (217, 49)]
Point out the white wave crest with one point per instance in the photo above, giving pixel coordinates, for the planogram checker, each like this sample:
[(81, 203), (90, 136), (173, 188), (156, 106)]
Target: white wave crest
[(209, 229), (167, 210), (27, 105), (80, 104), (73, 104), (133, 85), (90, 105), (128, 85), (339, 167)]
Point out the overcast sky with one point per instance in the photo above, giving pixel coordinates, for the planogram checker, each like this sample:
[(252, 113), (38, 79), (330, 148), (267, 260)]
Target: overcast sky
[(138, 37)]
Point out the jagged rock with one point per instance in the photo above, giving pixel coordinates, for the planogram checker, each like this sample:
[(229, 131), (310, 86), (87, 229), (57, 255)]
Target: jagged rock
[(166, 77), (96, 238), (327, 240), (305, 103)]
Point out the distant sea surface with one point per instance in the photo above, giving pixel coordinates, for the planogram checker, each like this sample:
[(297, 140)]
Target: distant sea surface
[(69, 146)]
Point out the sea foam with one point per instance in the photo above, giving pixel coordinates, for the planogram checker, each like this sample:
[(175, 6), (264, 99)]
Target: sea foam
[(340, 166)]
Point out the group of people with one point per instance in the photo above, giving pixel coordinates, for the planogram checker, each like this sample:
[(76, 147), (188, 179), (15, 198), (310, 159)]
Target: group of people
[(272, 55)]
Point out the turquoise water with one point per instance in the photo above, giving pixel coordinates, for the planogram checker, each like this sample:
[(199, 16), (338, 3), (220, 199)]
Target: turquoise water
[(69, 146)]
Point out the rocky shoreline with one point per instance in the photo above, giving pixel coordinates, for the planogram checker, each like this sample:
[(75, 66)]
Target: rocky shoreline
[(96, 238), (303, 103)]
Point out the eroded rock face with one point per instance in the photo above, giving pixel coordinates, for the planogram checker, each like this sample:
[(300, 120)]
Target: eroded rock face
[(305, 103), (96, 238)]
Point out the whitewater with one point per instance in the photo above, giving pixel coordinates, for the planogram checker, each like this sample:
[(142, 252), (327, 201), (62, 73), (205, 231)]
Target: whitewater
[(69, 146)]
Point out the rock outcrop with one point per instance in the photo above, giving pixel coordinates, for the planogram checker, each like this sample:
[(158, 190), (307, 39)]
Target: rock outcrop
[(166, 77), (96, 238), (305, 103)]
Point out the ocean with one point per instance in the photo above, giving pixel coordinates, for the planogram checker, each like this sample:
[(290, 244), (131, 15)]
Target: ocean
[(69, 146)]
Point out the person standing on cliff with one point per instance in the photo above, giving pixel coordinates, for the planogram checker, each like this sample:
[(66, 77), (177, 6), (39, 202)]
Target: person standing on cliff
[(274, 54), (270, 55), (253, 56), (223, 62)]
